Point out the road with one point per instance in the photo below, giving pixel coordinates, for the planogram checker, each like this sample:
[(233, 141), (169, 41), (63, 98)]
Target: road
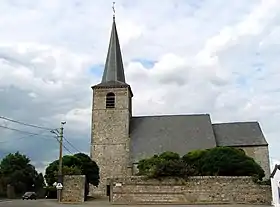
[(52, 203)]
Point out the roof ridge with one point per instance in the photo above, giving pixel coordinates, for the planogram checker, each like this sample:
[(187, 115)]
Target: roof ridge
[(172, 115), (237, 122)]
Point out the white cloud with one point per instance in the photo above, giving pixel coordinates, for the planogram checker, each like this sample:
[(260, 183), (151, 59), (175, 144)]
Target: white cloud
[(210, 57)]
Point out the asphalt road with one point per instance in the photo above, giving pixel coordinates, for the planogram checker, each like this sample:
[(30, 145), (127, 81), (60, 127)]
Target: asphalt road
[(32, 203), (53, 203)]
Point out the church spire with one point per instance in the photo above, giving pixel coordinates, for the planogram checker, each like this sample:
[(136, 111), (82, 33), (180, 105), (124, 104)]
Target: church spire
[(114, 71)]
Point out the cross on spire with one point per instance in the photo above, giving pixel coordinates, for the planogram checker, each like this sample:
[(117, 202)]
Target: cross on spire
[(114, 71), (114, 11)]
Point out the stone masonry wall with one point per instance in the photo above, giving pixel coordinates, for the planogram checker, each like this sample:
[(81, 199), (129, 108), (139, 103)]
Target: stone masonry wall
[(73, 189), (110, 135), (196, 190), (261, 156)]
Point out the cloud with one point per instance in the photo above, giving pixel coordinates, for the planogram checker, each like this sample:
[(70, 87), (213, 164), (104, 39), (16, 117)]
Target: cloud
[(205, 56)]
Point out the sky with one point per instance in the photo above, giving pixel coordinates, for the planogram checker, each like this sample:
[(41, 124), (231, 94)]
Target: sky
[(180, 57)]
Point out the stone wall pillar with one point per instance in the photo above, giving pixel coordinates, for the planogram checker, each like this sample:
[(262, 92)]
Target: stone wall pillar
[(73, 189), (11, 192)]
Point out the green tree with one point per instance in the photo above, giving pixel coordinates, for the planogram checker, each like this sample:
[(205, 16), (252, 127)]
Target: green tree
[(2, 193), (74, 170), (147, 166), (193, 158), (51, 173), (172, 168), (169, 156), (39, 182), (16, 170), (89, 168), (228, 161), (218, 161), (167, 164), (74, 164)]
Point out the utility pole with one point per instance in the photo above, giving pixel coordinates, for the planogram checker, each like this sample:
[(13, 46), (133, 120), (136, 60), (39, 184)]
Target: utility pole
[(59, 134), (60, 152), (60, 158)]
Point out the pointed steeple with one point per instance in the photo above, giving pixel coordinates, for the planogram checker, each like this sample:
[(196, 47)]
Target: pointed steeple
[(114, 71)]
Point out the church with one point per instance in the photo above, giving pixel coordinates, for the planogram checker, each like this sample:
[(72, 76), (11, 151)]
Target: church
[(119, 139)]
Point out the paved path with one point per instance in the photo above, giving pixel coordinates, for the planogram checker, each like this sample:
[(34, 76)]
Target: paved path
[(52, 203)]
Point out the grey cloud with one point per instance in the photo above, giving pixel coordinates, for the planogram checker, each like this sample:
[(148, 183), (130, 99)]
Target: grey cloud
[(58, 42)]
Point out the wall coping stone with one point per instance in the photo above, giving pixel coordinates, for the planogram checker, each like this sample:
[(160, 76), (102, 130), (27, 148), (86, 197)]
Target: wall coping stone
[(175, 180)]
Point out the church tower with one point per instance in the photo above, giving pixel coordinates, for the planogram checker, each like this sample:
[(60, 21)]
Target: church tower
[(111, 113)]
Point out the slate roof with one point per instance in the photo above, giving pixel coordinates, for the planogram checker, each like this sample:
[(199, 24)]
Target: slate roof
[(179, 133), (114, 65), (239, 134)]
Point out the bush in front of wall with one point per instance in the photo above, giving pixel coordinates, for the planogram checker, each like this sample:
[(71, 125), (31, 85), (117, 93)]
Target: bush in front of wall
[(218, 161)]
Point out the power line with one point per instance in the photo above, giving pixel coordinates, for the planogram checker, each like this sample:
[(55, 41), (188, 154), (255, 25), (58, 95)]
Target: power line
[(33, 134), (71, 145), (21, 131), (67, 149), (13, 140), (63, 145), (20, 138), (23, 123)]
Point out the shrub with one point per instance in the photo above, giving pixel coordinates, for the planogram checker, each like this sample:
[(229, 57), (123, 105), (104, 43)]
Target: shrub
[(218, 161), (172, 168), (193, 159), (146, 166), (263, 182), (224, 161), (194, 156), (167, 164), (169, 156)]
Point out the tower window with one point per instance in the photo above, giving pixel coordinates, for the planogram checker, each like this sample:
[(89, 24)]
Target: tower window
[(110, 100)]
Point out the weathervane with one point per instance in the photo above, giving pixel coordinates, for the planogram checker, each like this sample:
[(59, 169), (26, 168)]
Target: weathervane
[(113, 7)]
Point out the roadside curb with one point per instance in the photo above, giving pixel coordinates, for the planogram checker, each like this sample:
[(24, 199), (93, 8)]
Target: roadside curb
[(4, 200)]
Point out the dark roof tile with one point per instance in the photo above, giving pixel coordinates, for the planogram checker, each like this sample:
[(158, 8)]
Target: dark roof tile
[(179, 133), (239, 134)]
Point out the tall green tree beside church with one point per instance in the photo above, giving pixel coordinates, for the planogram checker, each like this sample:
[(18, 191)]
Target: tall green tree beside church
[(79, 163)]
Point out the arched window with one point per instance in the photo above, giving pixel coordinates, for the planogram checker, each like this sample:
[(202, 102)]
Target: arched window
[(110, 100)]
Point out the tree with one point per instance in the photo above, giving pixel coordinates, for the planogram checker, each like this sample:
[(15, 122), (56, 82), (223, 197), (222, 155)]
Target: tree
[(193, 158), (51, 173), (147, 166), (39, 182), (74, 164), (172, 168), (218, 161), (167, 164), (228, 161), (89, 168), (74, 170), (16, 170)]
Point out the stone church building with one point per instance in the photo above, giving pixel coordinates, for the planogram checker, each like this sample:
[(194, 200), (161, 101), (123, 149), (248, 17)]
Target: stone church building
[(119, 139)]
